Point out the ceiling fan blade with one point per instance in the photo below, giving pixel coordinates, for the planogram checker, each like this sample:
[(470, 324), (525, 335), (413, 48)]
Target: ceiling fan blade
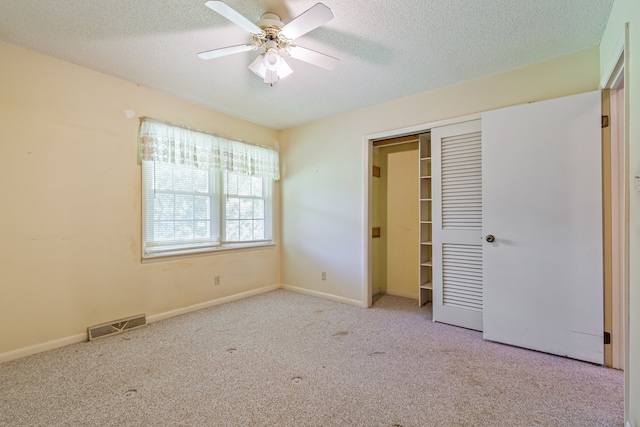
[(217, 53), (233, 16), (312, 57), (307, 21)]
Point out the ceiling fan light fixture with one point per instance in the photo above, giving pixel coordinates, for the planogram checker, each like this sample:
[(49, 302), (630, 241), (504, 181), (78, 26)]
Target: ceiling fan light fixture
[(270, 77), (257, 66), (284, 69), (270, 66), (272, 60)]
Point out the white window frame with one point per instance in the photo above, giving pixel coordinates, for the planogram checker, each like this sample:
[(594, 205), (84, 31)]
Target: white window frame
[(217, 216), (267, 197)]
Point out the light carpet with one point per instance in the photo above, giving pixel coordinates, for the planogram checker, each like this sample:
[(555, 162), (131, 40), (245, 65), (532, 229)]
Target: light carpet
[(287, 359)]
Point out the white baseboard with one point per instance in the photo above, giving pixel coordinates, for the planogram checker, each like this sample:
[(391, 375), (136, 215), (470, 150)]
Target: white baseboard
[(324, 295), (207, 304), (39, 348), (50, 345)]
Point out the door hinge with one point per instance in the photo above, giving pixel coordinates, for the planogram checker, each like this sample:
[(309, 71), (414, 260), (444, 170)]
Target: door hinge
[(607, 338), (605, 122), (376, 171)]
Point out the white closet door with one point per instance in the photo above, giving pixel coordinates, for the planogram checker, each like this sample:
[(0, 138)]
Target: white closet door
[(542, 200), (456, 152)]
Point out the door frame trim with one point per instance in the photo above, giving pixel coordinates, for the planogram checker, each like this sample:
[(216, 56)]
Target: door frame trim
[(615, 197), (608, 82)]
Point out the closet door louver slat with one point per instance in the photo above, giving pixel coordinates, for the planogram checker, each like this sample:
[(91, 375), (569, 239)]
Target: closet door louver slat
[(465, 262), (459, 182)]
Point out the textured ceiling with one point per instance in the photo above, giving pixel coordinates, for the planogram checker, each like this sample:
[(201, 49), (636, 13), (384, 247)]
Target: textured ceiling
[(388, 48)]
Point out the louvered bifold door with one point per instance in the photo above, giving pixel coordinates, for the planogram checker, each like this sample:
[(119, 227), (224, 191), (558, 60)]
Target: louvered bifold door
[(456, 152)]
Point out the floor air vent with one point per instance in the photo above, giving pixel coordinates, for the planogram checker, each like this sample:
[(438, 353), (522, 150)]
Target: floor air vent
[(116, 327)]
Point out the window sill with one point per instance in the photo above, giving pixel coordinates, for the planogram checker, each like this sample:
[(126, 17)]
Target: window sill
[(190, 253)]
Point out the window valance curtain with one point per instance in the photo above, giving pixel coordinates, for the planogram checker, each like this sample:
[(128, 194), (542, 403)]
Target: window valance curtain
[(160, 142)]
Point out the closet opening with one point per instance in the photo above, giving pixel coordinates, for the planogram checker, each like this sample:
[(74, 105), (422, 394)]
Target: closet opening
[(398, 204)]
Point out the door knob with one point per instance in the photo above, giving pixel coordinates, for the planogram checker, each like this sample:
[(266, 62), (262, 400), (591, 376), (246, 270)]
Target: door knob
[(490, 238)]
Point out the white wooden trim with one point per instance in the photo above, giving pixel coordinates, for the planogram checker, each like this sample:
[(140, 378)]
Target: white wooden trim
[(324, 295), (613, 63), (39, 348), (367, 244), (627, 219), (617, 62), (421, 128), (207, 304), (618, 229)]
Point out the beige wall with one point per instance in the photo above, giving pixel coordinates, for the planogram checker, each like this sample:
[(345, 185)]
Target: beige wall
[(324, 186), (401, 228), (628, 11), (70, 222)]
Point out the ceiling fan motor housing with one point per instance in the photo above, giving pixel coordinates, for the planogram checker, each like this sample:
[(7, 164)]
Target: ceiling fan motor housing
[(270, 37), (270, 20)]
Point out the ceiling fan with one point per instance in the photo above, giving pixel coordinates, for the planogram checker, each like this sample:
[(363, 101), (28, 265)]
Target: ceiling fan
[(274, 38)]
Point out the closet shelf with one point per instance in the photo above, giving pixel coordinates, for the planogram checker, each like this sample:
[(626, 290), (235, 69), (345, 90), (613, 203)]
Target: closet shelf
[(425, 183)]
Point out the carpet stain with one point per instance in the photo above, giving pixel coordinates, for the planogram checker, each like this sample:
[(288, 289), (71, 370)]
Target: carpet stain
[(231, 350), (473, 380), (130, 393), (340, 334), (296, 380), (376, 353)]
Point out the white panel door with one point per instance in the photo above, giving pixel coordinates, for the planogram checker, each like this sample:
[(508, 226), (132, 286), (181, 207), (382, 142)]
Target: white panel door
[(542, 201), (457, 224)]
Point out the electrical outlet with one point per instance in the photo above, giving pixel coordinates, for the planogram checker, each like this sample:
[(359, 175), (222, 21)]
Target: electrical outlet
[(216, 280), (324, 275)]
